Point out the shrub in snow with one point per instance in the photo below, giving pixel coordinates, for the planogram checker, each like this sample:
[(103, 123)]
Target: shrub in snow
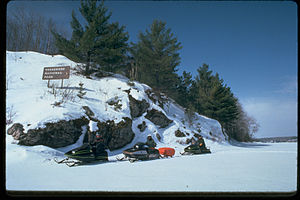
[(66, 94), (115, 102), (81, 93), (10, 114), (178, 133), (142, 126)]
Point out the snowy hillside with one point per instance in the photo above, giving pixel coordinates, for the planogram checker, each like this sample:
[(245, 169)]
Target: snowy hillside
[(247, 167), (33, 102)]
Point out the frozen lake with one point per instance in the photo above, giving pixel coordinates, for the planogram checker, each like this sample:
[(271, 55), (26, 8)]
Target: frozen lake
[(259, 167)]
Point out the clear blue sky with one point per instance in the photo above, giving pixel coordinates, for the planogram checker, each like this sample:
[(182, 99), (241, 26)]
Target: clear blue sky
[(252, 45)]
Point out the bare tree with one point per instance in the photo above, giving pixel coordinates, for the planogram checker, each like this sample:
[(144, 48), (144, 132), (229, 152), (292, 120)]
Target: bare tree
[(29, 31), (244, 126)]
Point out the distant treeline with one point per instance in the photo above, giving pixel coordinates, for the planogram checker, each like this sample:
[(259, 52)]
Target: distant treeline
[(277, 139), (102, 46)]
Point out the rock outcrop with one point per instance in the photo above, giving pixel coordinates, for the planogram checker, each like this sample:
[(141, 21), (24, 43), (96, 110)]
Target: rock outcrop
[(16, 130), (137, 108), (158, 118), (55, 135), (116, 135)]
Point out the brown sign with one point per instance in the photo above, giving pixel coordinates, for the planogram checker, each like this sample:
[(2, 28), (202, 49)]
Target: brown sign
[(51, 73)]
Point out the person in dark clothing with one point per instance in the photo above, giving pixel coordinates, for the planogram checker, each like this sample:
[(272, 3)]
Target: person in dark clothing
[(200, 142), (150, 142), (98, 146)]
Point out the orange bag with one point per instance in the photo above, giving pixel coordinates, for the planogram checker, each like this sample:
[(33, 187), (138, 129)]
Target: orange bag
[(166, 151)]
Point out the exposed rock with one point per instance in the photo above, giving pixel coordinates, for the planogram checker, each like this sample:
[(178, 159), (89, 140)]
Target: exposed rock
[(55, 135), (178, 133), (116, 135), (158, 137), (88, 112), (127, 91), (142, 126), (158, 118), (137, 108), (157, 97), (16, 130)]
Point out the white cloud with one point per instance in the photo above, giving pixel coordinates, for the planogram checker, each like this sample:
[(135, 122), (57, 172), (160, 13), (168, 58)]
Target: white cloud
[(277, 117)]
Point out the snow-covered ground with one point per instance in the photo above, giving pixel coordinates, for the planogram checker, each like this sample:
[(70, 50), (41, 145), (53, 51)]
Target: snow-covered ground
[(259, 167), (255, 168)]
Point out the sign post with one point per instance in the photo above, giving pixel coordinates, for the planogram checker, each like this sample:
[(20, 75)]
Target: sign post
[(52, 73)]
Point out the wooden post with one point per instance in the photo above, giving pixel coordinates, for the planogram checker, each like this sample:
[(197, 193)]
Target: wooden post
[(48, 83), (62, 83)]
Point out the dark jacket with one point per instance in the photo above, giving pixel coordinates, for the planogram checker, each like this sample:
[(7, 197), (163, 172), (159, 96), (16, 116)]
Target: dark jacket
[(97, 144), (150, 142), (200, 142)]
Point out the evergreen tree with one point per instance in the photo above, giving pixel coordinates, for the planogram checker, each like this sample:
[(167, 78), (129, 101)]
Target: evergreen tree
[(201, 88), (224, 104), (156, 57), (99, 44), (214, 99), (183, 90)]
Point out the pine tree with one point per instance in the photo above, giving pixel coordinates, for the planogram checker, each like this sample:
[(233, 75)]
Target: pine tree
[(214, 99), (200, 90), (99, 44), (156, 56), (224, 104), (183, 96)]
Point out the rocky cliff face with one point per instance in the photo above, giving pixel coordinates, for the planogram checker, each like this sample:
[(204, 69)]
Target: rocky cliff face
[(115, 135), (54, 135)]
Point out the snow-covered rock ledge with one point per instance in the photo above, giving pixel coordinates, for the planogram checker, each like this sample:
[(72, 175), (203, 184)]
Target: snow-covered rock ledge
[(115, 100)]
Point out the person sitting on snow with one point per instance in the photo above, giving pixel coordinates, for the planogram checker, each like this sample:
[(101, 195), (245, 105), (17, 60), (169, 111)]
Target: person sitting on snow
[(200, 142), (150, 142), (98, 145)]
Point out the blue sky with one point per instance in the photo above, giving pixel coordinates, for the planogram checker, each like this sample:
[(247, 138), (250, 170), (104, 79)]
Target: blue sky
[(251, 44)]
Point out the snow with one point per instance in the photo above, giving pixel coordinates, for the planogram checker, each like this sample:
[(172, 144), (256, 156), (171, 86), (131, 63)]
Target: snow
[(256, 168), (93, 126), (243, 167)]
